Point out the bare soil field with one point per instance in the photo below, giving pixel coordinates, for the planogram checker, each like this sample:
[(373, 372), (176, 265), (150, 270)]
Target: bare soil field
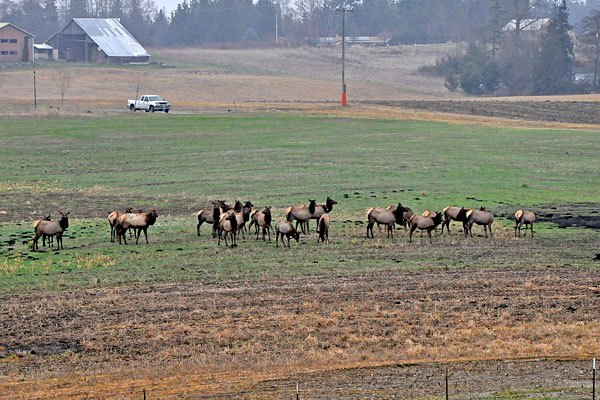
[(256, 340)]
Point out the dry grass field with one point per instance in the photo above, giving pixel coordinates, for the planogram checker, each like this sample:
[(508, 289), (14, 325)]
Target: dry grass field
[(215, 79), (508, 318)]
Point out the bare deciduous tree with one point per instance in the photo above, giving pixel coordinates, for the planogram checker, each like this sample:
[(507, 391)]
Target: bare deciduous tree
[(62, 79)]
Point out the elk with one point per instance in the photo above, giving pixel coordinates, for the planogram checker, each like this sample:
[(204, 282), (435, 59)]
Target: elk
[(51, 228), (523, 217), (387, 217), (406, 214), (285, 228), (211, 216), (323, 228), (228, 225), (112, 220), (243, 216), (454, 214), (321, 209), (44, 237), (262, 219), (302, 214), (139, 222), (479, 217), (426, 222)]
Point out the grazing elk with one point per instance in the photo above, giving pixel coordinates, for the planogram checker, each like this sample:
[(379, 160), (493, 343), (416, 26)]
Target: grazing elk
[(523, 217), (112, 220), (323, 228), (228, 225), (138, 222), (262, 219), (302, 214), (479, 217), (385, 216), (285, 228), (51, 228), (454, 214), (321, 209), (426, 222)]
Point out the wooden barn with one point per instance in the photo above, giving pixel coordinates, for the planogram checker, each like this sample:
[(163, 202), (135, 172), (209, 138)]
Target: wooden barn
[(98, 40), (16, 45)]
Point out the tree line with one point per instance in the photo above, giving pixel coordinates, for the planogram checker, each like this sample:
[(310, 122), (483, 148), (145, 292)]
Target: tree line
[(495, 60)]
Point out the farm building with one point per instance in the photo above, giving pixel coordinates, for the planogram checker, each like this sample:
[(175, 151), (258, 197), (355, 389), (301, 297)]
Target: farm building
[(531, 29), (16, 45), (44, 52), (98, 40)]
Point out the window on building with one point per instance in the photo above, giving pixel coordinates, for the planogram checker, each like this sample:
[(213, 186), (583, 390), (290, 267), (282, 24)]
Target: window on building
[(13, 53), (13, 40), (3, 53), (3, 40)]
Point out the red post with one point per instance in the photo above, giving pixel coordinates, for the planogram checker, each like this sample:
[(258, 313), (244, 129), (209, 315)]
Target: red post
[(344, 100)]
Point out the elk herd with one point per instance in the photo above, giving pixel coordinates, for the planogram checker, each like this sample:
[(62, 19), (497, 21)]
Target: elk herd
[(228, 222)]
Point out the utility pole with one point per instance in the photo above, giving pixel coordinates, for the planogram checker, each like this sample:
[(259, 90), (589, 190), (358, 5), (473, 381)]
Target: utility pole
[(343, 10), (34, 92), (276, 27)]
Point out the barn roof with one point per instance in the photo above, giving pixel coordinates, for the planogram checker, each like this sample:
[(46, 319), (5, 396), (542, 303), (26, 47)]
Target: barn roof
[(111, 37)]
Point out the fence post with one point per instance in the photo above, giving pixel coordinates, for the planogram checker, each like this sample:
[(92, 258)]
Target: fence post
[(297, 391), (594, 378), (144, 391), (447, 383)]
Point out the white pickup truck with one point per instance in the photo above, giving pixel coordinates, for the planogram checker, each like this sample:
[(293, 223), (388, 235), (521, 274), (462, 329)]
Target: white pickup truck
[(149, 103)]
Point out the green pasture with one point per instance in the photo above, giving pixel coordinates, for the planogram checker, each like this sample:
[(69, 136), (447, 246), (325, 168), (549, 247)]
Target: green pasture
[(179, 163)]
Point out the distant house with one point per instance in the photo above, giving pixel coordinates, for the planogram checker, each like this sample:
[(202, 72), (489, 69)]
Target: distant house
[(98, 40), (360, 40), (16, 45), (531, 29)]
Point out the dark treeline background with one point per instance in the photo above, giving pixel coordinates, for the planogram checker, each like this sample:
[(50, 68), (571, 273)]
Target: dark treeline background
[(204, 22)]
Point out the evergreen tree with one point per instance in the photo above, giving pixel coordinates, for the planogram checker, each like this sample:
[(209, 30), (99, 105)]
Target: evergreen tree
[(553, 70), (590, 37)]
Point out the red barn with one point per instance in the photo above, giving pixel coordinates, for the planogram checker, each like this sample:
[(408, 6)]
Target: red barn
[(16, 45)]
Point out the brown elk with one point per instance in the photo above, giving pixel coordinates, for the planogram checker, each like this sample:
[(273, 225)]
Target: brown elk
[(426, 222), (323, 228), (523, 217), (138, 222), (262, 219), (112, 220), (454, 214), (406, 214), (479, 217), (45, 237), (228, 225), (321, 209), (211, 216), (285, 228), (302, 214), (385, 216), (51, 228), (243, 216)]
